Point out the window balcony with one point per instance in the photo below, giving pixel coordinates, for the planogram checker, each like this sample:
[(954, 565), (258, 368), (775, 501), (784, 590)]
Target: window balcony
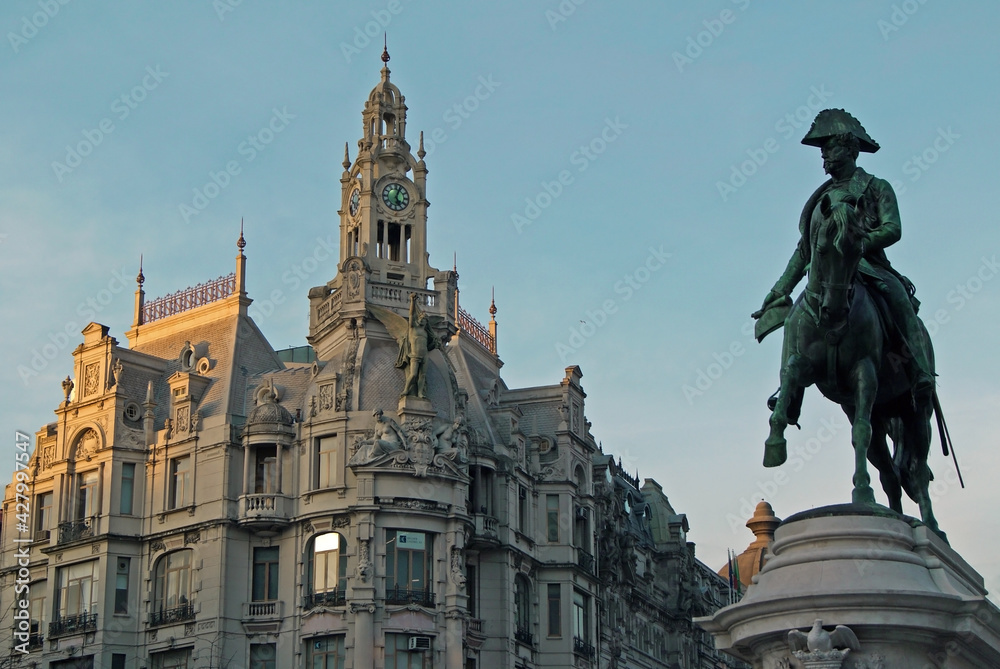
[(329, 598), (80, 623), (397, 595), (263, 511), (75, 529), (487, 530), (522, 635), (269, 610), (176, 614), (581, 647), (263, 617), (35, 641)]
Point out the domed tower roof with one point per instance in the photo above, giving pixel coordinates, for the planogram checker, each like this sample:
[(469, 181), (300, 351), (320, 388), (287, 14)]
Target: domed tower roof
[(384, 115), (269, 417)]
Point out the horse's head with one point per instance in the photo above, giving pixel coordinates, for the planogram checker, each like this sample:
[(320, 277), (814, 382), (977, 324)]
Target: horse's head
[(838, 248)]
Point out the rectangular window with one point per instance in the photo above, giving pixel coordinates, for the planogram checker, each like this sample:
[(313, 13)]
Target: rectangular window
[(88, 504), (555, 613), (265, 574), (326, 652), (77, 591), (552, 517), (399, 656), (118, 661), (581, 616), (471, 587), (266, 471), (121, 584), (43, 517), (37, 611), (127, 488), (171, 659), (263, 656), (522, 509), (180, 482), (326, 462), (408, 564)]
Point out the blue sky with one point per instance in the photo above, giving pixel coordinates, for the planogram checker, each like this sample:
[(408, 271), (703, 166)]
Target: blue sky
[(629, 179)]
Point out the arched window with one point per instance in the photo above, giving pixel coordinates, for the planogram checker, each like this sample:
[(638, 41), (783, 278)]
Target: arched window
[(172, 588), (326, 570), (522, 609)]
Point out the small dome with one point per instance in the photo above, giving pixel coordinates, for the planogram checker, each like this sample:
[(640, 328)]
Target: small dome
[(270, 412)]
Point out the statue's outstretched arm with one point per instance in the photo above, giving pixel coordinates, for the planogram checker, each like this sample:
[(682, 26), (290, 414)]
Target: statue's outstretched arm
[(793, 273)]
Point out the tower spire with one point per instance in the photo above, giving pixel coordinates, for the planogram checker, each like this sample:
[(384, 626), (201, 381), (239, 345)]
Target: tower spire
[(241, 265), (493, 320), (140, 297)]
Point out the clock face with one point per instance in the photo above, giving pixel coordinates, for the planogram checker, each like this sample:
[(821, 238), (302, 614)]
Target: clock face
[(395, 196), (355, 203)]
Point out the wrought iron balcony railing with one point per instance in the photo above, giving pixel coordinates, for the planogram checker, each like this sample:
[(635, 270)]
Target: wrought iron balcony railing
[(397, 595), (337, 597), (524, 636), (75, 529), (75, 624), (172, 615), (581, 647)]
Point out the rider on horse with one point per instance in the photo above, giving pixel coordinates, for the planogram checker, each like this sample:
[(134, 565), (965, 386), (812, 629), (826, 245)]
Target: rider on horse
[(841, 137)]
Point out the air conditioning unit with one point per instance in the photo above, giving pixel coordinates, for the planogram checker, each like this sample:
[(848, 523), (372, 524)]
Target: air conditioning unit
[(419, 643), (581, 513)]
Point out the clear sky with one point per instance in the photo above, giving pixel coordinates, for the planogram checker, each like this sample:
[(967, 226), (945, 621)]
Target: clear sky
[(628, 176)]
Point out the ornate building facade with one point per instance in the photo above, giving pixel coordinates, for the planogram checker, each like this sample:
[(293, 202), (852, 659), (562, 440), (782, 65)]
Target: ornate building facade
[(378, 499)]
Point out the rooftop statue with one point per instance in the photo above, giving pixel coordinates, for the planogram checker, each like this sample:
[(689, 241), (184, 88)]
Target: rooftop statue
[(416, 338), (854, 331)]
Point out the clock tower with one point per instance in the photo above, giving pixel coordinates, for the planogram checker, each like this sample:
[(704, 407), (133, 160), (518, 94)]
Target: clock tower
[(383, 228)]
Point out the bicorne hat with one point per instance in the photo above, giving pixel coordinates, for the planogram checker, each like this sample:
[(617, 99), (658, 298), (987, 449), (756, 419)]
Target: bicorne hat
[(830, 122)]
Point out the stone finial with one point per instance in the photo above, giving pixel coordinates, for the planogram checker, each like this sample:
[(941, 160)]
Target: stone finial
[(347, 157), (763, 523), (420, 147)]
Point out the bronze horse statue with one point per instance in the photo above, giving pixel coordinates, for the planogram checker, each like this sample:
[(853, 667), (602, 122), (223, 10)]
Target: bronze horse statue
[(835, 338)]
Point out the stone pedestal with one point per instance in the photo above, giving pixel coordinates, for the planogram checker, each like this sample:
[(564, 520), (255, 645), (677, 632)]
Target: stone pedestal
[(911, 600)]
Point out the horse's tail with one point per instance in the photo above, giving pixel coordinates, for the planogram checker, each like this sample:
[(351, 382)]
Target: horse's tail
[(946, 443)]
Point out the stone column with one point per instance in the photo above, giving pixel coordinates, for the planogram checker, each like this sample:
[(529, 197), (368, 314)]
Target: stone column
[(364, 634), (246, 469)]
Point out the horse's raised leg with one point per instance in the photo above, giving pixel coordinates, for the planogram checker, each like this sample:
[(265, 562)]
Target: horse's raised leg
[(866, 388), (775, 447)]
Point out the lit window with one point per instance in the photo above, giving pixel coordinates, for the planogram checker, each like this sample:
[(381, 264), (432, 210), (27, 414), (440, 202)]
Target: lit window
[(127, 488), (88, 503), (172, 587), (327, 569), (180, 482), (76, 593)]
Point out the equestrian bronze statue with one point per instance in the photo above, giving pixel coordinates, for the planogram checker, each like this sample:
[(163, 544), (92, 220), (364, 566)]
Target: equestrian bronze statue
[(854, 331)]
